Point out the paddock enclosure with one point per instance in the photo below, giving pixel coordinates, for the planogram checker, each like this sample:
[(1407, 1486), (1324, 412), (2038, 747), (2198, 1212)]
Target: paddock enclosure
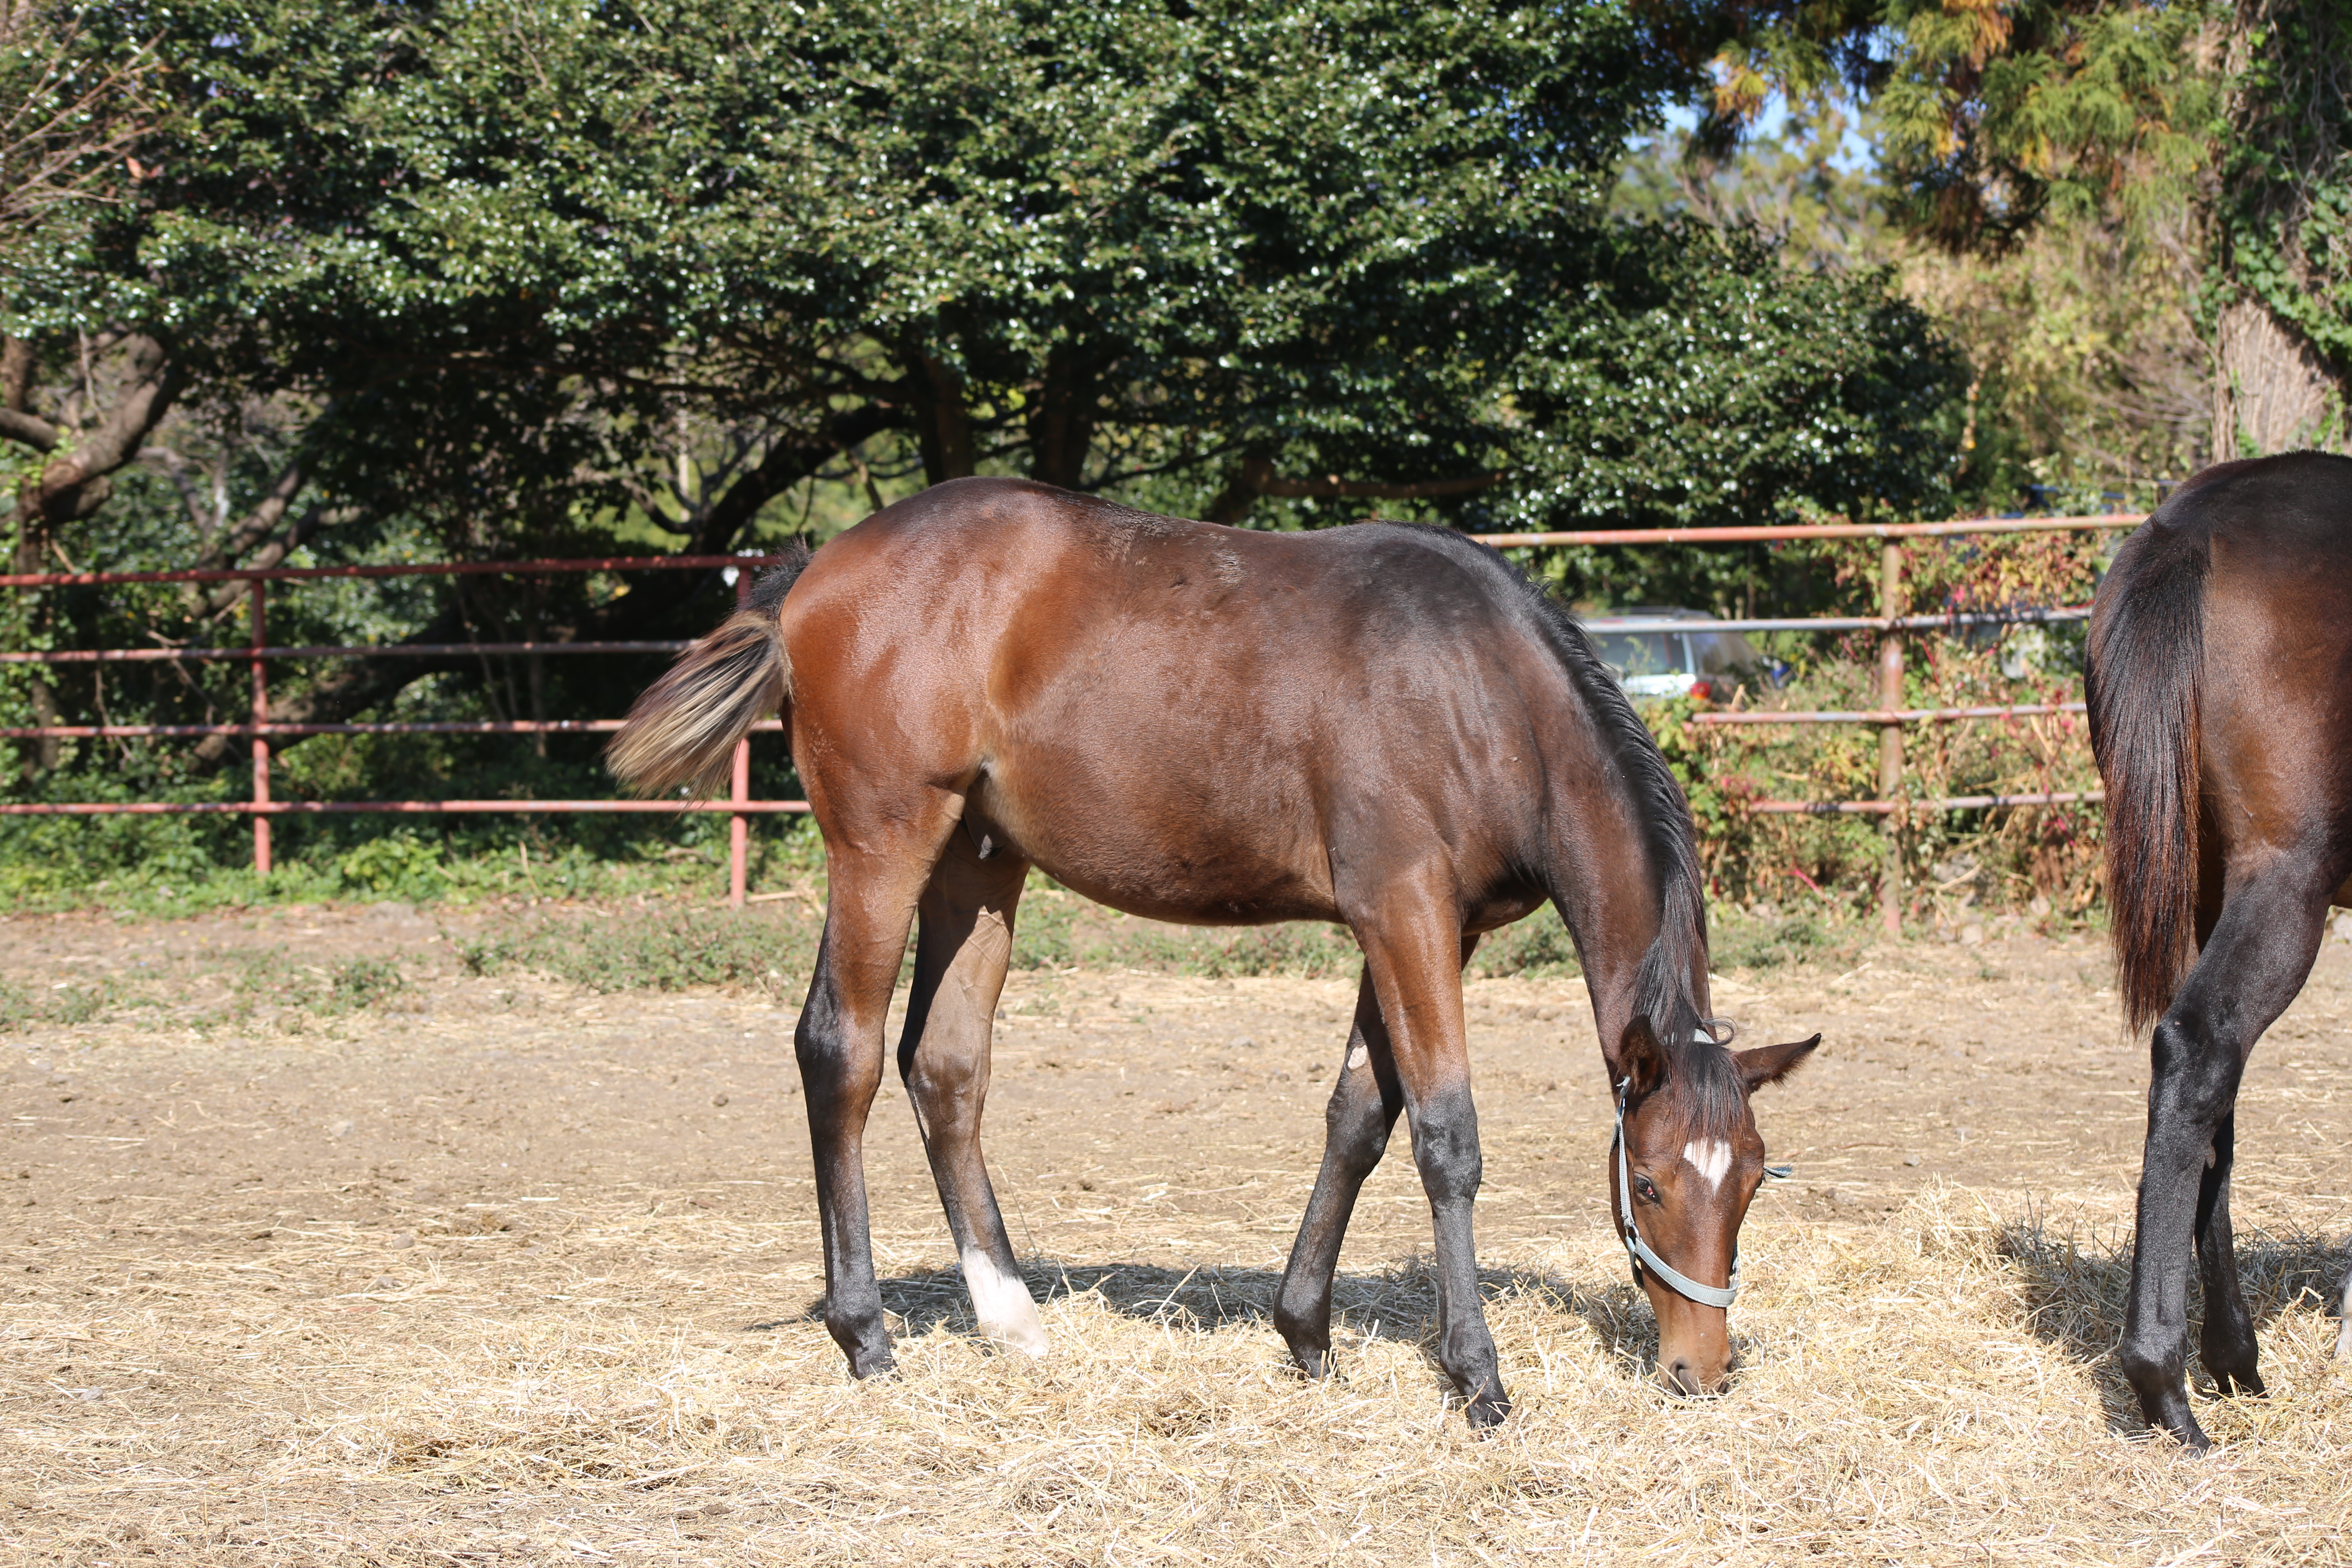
[(438, 1267)]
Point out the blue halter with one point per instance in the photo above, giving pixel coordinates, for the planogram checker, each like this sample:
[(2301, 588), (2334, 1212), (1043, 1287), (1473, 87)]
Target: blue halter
[(1640, 1253)]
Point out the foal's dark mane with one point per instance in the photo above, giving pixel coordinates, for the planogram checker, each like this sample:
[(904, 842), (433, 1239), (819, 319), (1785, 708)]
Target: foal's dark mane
[(1696, 1060)]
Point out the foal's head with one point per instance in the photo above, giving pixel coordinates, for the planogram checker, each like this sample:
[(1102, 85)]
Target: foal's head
[(1692, 1163)]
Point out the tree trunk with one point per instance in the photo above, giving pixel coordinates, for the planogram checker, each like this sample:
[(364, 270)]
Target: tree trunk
[(1062, 424), (2271, 393), (944, 425)]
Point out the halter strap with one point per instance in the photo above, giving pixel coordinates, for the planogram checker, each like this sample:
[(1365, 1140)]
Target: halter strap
[(1639, 1252)]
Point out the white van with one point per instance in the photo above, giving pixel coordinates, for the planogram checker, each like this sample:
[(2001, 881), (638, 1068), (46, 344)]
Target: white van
[(1650, 661)]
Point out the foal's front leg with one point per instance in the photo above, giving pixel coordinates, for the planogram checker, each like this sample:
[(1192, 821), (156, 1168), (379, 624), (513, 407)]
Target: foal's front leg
[(1412, 955)]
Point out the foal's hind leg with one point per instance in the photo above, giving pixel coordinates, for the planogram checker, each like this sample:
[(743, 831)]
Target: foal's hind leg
[(2226, 1342), (965, 940), (1356, 1123), (871, 900), (1412, 955), (2255, 961)]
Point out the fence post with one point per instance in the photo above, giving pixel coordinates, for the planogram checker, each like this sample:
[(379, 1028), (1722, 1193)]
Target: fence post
[(260, 716), (1890, 737), (739, 827)]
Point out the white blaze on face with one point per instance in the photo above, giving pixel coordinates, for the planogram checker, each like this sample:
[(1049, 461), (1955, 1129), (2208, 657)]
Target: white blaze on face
[(2343, 1330), (1002, 1305), (1711, 1157)]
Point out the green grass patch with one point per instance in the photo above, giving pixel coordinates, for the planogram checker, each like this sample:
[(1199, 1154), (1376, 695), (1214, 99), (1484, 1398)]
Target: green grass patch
[(656, 949)]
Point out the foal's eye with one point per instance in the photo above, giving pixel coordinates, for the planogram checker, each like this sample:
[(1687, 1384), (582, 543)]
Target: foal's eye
[(1646, 1190)]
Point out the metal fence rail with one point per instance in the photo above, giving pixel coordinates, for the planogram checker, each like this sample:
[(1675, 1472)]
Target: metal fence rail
[(1892, 623), (258, 653)]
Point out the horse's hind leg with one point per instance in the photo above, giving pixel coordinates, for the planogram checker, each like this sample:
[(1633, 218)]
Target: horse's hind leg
[(2252, 966), (2226, 1342), (1363, 1108), (871, 902), (964, 943), (1413, 954)]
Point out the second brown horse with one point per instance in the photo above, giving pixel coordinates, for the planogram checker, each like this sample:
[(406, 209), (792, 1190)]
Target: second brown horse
[(1383, 726)]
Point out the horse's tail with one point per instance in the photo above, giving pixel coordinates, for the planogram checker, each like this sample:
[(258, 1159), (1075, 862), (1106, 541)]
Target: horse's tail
[(2142, 683), (684, 729)]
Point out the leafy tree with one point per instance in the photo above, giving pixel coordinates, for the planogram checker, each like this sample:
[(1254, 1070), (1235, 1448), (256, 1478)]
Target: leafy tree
[(2214, 128), (489, 279)]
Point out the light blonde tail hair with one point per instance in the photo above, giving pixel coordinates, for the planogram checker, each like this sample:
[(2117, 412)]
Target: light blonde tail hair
[(684, 729)]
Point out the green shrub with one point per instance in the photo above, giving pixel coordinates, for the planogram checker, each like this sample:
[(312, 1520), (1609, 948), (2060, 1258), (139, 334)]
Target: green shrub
[(400, 864)]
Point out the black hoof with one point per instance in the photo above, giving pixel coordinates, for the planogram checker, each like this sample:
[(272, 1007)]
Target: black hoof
[(1313, 1365), (867, 1344), (872, 1366), (1487, 1414), (2232, 1369), (2191, 1439), (2245, 1381), (2180, 1426)]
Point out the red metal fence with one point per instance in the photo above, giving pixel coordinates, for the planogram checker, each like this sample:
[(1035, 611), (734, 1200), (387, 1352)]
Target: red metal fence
[(259, 653), (1892, 623)]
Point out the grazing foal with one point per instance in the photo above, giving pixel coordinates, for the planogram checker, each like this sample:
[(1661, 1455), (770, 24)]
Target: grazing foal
[(1386, 727)]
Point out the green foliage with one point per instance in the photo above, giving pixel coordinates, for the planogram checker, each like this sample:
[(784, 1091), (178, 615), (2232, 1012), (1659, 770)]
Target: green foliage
[(1705, 383), (398, 865), (1769, 942), (62, 1006), (1991, 113), (2285, 190)]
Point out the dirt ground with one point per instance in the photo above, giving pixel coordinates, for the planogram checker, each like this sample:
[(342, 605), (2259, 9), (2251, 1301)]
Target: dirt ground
[(498, 1270)]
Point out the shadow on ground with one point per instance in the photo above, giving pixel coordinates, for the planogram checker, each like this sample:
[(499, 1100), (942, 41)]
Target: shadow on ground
[(1397, 1304), (2076, 1285)]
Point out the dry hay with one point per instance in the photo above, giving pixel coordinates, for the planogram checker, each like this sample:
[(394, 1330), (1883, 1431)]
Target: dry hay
[(1938, 1388)]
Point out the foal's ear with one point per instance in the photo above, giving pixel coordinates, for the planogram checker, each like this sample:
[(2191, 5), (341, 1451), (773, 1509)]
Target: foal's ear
[(1640, 1057), (1771, 1064)]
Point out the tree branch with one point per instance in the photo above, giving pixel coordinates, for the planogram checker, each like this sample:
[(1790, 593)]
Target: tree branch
[(261, 521), (792, 459), (228, 595), (31, 429), (77, 484)]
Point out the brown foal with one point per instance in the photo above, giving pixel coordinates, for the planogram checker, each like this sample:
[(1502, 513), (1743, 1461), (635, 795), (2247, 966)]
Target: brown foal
[(2217, 643), (1383, 726)]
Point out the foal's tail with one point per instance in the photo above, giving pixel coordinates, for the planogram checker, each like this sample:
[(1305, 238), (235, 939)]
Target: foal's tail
[(2142, 681), (684, 729)]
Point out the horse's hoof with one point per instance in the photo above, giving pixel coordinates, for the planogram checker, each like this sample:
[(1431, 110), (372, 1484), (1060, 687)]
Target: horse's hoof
[(1030, 1339), (1487, 1416), (1313, 1365), (2186, 1433), (2244, 1381), (869, 1362)]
